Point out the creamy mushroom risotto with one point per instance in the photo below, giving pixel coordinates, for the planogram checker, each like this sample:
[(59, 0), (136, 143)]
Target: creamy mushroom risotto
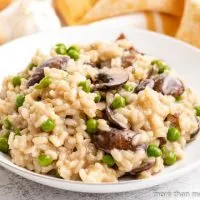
[(96, 113)]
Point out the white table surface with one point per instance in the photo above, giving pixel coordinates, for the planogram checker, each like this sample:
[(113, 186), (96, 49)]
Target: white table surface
[(13, 187)]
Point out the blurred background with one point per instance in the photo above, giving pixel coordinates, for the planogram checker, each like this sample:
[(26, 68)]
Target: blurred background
[(176, 18)]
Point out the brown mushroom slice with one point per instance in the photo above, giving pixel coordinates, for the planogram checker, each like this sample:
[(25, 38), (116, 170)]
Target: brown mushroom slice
[(173, 119), (143, 167), (162, 141), (102, 64), (115, 139), (169, 85), (128, 60), (112, 119), (152, 72), (143, 84), (110, 78), (121, 37), (92, 64), (38, 75)]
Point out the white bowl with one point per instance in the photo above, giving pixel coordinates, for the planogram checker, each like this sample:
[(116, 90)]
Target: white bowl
[(184, 58)]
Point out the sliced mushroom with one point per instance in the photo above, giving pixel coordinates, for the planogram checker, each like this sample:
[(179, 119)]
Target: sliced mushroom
[(56, 62), (151, 73), (169, 85), (102, 64), (143, 84), (112, 119), (115, 138), (121, 37), (173, 119), (128, 60), (144, 166), (133, 50), (110, 78), (162, 140), (92, 64)]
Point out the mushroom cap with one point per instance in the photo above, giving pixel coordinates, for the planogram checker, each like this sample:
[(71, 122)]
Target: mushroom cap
[(143, 167), (115, 139), (173, 119), (121, 37), (55, 62), (169, 85), (162, 141), (128, 60), (112, 119), (110, 78), (165, 84), (143, 84)]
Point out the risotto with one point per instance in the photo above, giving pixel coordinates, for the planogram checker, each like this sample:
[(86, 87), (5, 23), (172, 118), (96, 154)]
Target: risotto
[(96, 113)]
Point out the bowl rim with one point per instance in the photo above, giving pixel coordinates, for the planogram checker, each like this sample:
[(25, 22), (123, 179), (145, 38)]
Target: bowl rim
[(174, 173)]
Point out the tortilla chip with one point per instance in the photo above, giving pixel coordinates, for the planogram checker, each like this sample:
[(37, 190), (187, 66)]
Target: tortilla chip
[(4, 3), (189, 30), (162, 23), (169, 23), (109, 8), (72, 11), (158, 22)]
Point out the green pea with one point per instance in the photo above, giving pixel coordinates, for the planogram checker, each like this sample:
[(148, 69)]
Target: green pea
[(162, 67), (48, 126), (44, 83), (44, 160), (85, 85), (73, 54), (88, 76), (164, 149), (4, 147), (17, 131), (61, 49), (6, 134), (178, 98), (31, 66), (74, 47), (153, 151), (128, 88), (98, 97), (7, 124), (20, 100), (118, 102), (109, 160), (91, 125), (16, 81), (169, 158), (197, 108), (173, 134), (60, 45)]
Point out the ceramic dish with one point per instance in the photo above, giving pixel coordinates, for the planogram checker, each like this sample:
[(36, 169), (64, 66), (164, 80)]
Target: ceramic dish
[(178, 55)]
